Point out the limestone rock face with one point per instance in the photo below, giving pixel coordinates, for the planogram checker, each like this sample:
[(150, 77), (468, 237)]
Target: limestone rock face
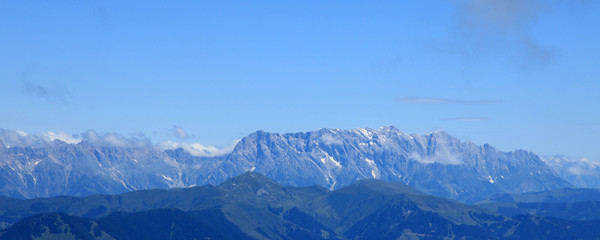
[(435, 163)]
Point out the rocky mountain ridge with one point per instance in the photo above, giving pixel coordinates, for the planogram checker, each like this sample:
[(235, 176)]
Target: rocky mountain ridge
[(435, 163)]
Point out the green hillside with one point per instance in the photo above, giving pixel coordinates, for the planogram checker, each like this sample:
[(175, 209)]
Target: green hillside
[(252, 206)]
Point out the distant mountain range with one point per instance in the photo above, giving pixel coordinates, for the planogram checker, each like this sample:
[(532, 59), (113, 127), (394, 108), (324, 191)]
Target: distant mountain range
[(435, 163), (251, 206), (571, 204)]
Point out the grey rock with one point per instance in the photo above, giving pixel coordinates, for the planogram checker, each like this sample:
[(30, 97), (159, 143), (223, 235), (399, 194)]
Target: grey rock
[(435, 163)]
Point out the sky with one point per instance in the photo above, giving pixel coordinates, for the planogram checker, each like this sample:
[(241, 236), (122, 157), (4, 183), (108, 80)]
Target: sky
[(517, 74)]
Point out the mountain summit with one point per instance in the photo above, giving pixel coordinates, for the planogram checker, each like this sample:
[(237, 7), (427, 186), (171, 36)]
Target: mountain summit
[(435, 163)]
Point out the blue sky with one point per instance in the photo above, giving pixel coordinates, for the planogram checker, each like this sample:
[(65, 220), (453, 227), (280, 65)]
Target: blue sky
[(515, 74)]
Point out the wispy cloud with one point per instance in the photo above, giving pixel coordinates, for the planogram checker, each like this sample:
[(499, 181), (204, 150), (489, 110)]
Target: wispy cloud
[(440, 154), (332, 140), (21, 138), (44, 92), (178, 132), (65, 137), (197, 149), (10, 138), (584, 167), (505, 21), (115, 140), (467, 119), (501, 16), (423, 100)]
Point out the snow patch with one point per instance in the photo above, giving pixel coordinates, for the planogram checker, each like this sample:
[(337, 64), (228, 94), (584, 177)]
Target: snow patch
[(374, 174), (125, 185), (167, 178), (330, 177), (365, 133), (330, 159), (374, 170)]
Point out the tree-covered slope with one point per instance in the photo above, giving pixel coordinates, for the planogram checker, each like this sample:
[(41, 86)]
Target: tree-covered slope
[(252, 206)]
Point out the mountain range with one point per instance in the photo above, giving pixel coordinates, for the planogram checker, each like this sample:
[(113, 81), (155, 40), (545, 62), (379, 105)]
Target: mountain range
[(566, 203), (435, 163), (252, 206)]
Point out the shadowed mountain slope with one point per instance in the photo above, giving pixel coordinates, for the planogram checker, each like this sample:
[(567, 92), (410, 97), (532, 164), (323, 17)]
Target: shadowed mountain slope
[(567, 203), (252, 206)]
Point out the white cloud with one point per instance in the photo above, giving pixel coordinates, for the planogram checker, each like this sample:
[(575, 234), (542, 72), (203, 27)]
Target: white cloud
[(425, 100), (584, 167), (197, 149), (437, 158), (21, 138), (178, 132), (441, 155), (113, 140), (21, 133), (330, 140), (467, 119), (65, 137)]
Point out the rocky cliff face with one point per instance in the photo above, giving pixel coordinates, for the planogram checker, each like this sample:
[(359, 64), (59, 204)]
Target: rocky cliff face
[(58, 168), (435, 163)]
